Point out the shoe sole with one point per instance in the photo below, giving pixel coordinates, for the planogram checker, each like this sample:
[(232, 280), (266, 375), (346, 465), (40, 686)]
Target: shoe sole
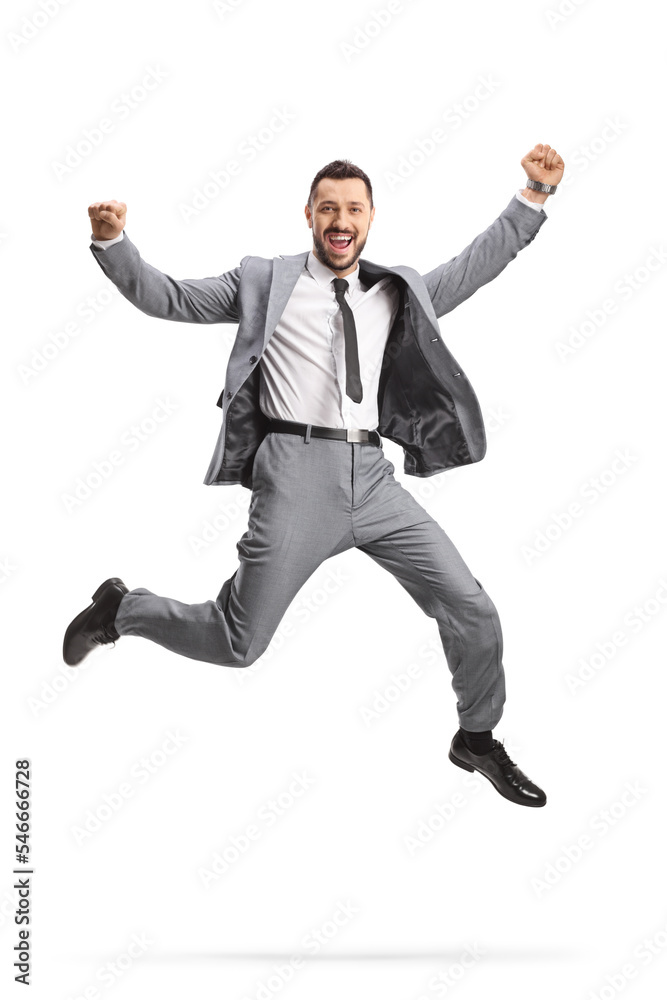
[(469, 767), (460, 763)]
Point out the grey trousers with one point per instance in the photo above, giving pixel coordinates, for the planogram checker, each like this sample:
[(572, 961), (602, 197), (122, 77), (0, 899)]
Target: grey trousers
[(311, 500)]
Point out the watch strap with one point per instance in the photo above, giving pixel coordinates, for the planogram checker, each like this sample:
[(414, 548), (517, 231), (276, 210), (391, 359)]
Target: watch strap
[(538, 186)]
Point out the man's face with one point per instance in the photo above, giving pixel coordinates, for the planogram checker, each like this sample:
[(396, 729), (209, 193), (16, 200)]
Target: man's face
[(340, 208)]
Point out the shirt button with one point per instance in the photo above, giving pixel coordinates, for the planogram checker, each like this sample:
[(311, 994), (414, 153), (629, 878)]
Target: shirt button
[(229, 395), (253, 359)]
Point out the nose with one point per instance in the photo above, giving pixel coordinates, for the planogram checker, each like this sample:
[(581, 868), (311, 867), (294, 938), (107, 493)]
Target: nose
[(341, 225)]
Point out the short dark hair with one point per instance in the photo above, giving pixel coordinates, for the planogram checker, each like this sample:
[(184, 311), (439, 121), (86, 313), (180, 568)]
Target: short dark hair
[(340, 170)]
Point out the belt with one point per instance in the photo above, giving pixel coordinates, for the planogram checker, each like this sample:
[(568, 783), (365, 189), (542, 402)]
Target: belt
[(335, 433)]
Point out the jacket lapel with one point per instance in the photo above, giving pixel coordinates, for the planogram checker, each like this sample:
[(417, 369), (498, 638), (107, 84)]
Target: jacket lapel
[(286, 271), (417, 288)]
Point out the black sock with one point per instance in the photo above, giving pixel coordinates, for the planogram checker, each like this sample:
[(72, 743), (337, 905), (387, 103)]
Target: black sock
[(478, 743)]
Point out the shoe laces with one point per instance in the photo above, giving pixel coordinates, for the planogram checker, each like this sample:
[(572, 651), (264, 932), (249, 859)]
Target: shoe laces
[(103, 636), (501, 754)]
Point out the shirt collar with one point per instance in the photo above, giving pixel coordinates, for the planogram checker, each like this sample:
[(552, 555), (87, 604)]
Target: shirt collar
[(323, 275)]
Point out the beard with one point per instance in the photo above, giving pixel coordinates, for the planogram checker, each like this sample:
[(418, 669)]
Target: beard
[(333, 260)]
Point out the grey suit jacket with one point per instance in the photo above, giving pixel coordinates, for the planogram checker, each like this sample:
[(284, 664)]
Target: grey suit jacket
[(425, 401)]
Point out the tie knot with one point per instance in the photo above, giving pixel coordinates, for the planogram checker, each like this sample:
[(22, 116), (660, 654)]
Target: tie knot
[(340, 285)]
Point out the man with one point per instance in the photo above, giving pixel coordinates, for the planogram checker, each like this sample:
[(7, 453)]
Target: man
[(331, 352)]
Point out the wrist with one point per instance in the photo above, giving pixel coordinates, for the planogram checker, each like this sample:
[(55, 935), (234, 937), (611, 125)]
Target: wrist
[(537, 196)]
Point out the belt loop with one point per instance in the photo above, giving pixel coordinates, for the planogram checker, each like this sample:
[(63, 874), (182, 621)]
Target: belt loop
[(307, 437)]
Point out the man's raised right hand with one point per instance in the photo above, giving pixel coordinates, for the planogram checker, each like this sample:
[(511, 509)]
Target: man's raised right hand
[(107, 219)]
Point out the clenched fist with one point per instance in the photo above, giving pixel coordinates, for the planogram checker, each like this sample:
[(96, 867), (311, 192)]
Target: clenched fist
[(107, 219), (543, 164)]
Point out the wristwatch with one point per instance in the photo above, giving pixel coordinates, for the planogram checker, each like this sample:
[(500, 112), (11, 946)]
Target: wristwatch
[(538, 186)]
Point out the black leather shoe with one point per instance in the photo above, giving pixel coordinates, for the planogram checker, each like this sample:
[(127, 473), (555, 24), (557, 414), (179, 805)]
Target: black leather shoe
[(502, 772), (95, 625)]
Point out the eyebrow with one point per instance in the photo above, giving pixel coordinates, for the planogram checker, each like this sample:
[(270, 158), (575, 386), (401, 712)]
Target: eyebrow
[(330, 202)]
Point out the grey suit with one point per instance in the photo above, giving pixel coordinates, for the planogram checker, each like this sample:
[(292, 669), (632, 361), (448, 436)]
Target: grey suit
[(314, 499), (425, 402)]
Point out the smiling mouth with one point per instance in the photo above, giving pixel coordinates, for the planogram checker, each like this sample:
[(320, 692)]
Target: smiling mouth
[(339, 243)]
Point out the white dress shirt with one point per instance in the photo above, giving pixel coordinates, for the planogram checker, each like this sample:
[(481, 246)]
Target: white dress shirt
[(303, 366), (302, 369)]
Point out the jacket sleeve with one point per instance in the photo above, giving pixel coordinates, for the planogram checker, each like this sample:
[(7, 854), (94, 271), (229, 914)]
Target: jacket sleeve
[(191, 300), (487, 255)]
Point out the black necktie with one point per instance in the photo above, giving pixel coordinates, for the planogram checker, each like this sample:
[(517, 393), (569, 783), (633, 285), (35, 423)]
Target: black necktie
[(353, 378)]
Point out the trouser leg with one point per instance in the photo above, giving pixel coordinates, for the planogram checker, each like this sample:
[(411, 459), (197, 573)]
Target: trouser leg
[(296, 521), (430, 568), (424, 560)]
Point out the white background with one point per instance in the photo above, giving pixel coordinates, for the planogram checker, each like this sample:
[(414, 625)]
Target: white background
[(497, 881)]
